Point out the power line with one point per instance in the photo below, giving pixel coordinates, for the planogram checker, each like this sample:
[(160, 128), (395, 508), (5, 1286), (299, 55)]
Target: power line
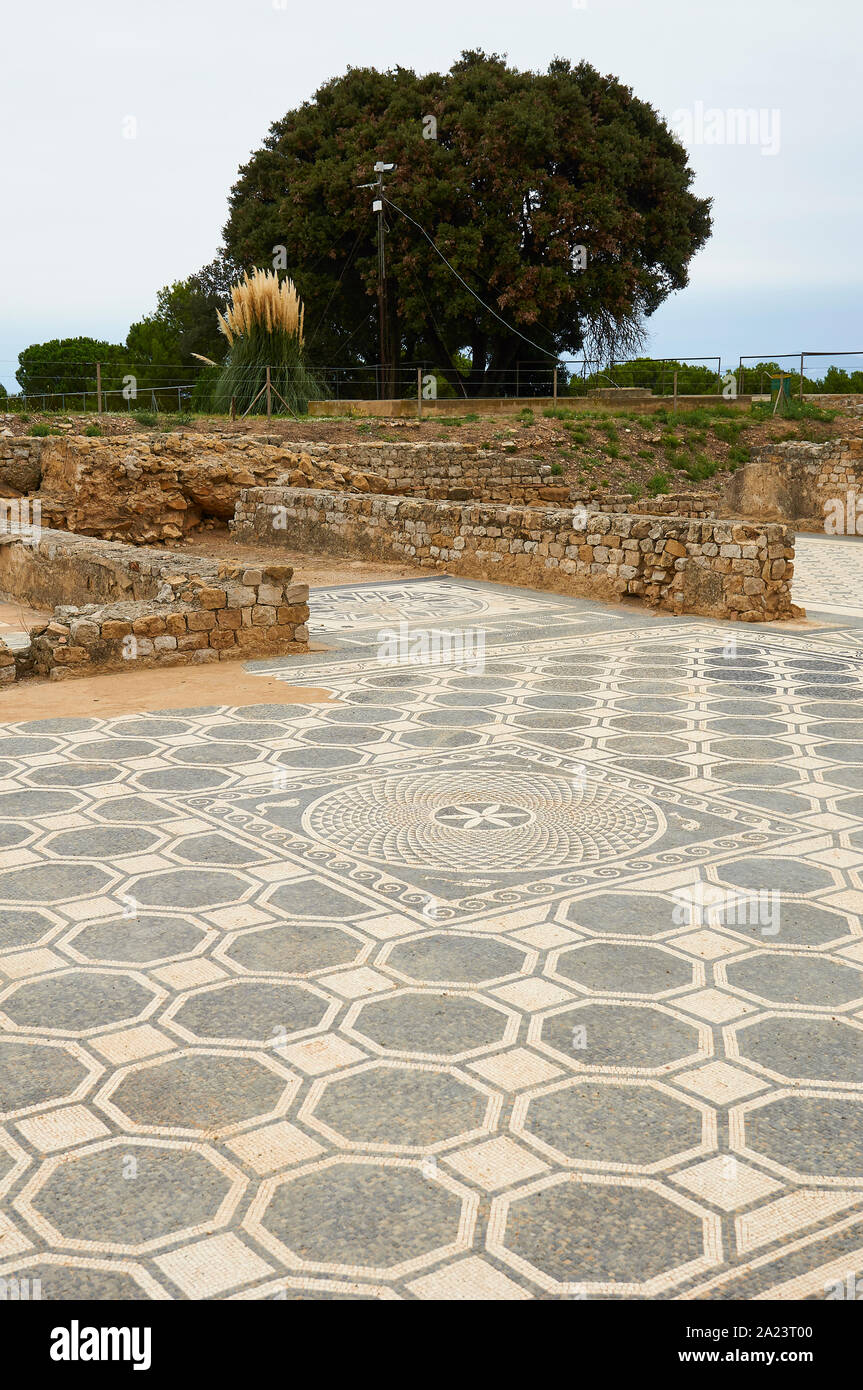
[(464, 282), (440, 335), (339, 281)]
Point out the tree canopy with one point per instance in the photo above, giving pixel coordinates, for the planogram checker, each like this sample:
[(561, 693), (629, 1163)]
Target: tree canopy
[(524, 169), (65, 364), (184, 322)]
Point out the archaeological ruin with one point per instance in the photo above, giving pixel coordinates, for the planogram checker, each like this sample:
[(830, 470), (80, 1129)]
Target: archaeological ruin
[(110, 507)]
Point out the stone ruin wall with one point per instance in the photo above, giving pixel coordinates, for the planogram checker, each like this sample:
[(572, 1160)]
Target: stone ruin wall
[(492, 514), (799, 482), (725, 569), (149, 489), (153, 608), (145, 488)]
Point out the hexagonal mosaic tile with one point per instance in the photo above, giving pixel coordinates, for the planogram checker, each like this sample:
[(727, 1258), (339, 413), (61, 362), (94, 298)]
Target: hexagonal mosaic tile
[(537, 980)]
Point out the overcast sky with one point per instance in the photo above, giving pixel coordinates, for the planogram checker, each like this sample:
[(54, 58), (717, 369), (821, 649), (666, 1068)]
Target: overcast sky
[(93, 223)]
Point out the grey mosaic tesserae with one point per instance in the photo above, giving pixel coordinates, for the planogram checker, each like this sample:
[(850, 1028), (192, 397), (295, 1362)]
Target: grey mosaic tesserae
[(533, 973)]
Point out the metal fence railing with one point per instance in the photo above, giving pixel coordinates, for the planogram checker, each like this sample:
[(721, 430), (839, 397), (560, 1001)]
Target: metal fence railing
[(159, 399), (161, 388)]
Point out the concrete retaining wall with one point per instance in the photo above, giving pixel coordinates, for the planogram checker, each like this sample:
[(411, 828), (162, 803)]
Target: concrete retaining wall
[(617, 399)]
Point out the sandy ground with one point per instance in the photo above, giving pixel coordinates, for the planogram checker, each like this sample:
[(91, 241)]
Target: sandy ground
[(17, 617), (136, 692), (133, 692), (317, 571)]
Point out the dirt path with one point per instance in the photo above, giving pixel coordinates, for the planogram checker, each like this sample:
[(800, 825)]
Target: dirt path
[(138, 692), (315, 570)]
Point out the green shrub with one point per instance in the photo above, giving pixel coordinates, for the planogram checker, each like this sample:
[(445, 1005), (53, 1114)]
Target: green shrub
[(39, 431), (147, 418), (93, 431), (729, 431), (660, 482), (575, 431), (792, 410), (701, 468), (556, 470), (695, 418)]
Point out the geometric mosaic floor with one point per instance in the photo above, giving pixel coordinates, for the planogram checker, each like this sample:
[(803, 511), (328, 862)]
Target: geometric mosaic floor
[(534, 976), (828, 574)]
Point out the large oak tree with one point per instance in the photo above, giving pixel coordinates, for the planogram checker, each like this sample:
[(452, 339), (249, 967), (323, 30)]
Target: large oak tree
[(525, 168)]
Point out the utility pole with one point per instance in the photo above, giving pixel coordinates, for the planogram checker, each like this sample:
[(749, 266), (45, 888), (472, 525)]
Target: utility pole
[(378, 207)]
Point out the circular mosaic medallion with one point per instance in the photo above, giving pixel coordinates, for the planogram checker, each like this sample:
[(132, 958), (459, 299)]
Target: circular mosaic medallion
[(493, 821)]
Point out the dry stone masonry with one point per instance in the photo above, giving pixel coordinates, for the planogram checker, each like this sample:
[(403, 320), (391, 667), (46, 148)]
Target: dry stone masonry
[(800, 482), (20, 465), (440, 469), (163, 609), (147, 488), (484, 513), (728, 569), (8, 670)]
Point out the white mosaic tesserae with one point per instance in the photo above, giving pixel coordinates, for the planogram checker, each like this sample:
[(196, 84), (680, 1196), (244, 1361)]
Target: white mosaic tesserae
[(539, 981)]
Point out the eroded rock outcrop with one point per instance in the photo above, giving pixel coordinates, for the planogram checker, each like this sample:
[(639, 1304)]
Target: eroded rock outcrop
[(20, 465), (142, 488)]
